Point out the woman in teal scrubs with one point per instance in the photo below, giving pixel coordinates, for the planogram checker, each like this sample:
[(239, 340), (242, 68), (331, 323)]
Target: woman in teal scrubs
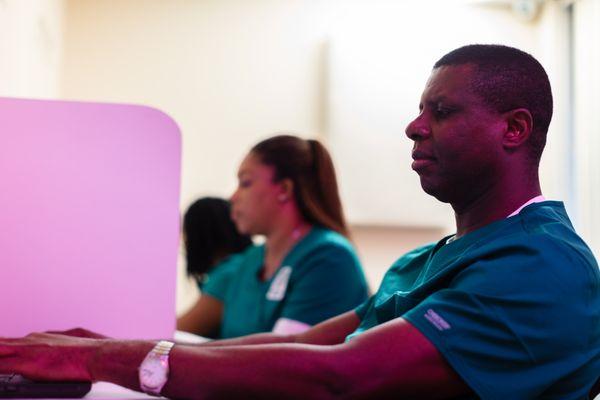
[(306, 271)]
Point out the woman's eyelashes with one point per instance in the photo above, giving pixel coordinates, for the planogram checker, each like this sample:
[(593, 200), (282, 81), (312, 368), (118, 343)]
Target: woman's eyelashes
[(244, 183)]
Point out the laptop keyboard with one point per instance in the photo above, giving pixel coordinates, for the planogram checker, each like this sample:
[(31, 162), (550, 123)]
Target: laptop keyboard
[(7, 385), (16, 386), (6, 378)]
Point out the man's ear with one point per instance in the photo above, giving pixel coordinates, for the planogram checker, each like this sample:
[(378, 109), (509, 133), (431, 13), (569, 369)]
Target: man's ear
[(519, 127), (286, 191)]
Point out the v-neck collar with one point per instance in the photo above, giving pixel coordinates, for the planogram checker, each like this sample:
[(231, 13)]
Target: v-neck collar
[(294, 249)]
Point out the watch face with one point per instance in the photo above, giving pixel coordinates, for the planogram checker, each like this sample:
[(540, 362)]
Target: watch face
[(153, 374)]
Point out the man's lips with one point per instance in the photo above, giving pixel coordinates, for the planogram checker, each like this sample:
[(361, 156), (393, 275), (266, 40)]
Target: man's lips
[(421, 160)]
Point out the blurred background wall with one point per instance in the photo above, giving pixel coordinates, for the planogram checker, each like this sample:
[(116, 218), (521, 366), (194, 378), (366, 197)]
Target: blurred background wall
[(349, 72)]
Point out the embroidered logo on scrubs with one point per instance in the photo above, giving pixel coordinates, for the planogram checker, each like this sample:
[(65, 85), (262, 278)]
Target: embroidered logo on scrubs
[(437, 321), (279, 285)]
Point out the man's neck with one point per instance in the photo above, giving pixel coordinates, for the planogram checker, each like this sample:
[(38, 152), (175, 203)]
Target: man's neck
[(491, 206)]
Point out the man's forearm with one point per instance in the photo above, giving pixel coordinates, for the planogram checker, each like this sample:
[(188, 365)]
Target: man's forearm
[(266, 371), (222, 367), (393, 359), (332, 331), (258, 338), (117, 361), (260, 371)]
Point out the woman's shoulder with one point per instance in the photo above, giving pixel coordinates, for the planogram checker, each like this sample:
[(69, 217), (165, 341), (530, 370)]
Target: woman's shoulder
[(322, 243), (329, 257), (232, 266), (327, 238), (230, 261), (251, 254), (227, 266)]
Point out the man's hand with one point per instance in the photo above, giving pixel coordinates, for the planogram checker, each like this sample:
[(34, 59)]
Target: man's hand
[(46, 356), (80, 332)]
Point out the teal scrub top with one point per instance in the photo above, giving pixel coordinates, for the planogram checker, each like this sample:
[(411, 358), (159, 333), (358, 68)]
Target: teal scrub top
[(514, 307), (319, 278), (217, 280)]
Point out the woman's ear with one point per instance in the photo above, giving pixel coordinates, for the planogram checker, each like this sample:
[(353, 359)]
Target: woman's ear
[(286, 190), (519, 128)]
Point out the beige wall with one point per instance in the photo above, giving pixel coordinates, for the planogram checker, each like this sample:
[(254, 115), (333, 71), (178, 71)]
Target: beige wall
[(233, 71), (586, 103), (381, 54), (31, 41), (380, 246), (229, 72)]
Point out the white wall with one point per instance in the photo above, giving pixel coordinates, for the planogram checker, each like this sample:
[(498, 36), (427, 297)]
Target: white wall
[(380, 246), (228, 71), (587, 118), (233, 71), (30, 47), (381, 55)]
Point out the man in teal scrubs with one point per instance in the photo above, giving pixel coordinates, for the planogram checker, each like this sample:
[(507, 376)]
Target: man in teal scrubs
[(506, 308)]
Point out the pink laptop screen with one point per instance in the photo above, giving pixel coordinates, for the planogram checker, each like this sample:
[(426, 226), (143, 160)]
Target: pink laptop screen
[(89, 220)]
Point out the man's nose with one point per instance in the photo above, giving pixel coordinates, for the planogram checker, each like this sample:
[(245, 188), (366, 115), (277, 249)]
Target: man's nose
[(418, 129)]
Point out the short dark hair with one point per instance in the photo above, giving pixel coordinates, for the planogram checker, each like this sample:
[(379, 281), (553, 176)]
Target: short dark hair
[(308, 165), (210, 235), (507, 78)]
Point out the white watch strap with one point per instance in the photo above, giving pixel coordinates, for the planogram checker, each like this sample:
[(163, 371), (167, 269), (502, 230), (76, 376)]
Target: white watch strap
[(156, 364), (162, 348)]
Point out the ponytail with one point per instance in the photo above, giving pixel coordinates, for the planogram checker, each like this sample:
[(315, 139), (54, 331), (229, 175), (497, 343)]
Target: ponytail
[(328, 208)]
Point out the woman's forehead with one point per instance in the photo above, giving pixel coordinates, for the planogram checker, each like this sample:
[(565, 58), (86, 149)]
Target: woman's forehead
[(251, 164)]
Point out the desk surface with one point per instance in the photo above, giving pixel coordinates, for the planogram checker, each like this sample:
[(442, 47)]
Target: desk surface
[(105, 390)]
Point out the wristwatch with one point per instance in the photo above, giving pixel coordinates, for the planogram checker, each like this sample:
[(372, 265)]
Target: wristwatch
[(154, 370)]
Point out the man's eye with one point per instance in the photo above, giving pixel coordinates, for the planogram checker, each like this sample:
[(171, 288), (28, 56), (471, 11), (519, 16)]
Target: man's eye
[(443, 112), (245, 183)]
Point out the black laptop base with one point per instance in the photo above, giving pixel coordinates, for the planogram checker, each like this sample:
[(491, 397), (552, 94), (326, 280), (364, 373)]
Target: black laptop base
[(14, 386)]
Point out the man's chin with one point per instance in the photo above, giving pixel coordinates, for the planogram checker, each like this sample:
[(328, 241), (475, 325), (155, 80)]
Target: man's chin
[(435, 191)]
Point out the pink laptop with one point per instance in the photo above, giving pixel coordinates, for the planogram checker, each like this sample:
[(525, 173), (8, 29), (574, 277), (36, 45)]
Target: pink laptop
[(89, 218)]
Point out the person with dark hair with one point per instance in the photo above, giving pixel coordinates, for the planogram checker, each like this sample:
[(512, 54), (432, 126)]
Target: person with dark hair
[(506, 80), (508, 307), (211, 242), (209, 235), (305, 272)]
